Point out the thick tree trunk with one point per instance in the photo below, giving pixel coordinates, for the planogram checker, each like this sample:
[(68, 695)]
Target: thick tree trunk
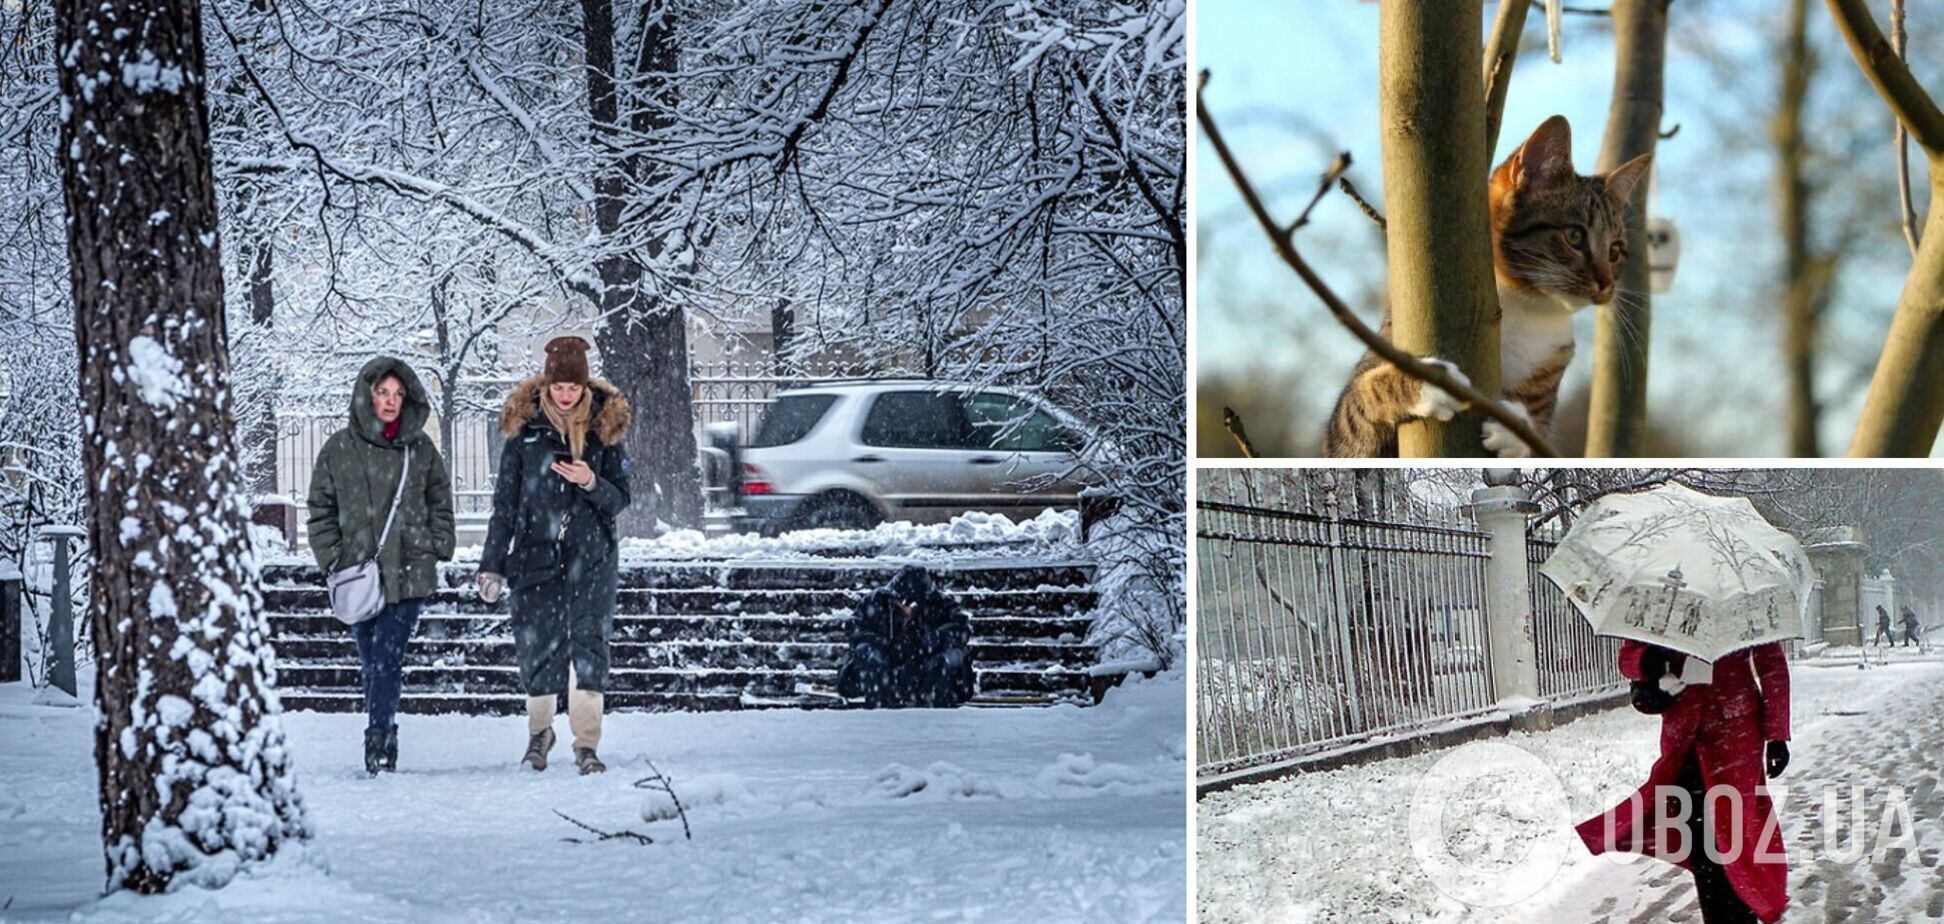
[(1792, 204), (644, 339), (1905, 404), (194, 773), (1444, 301), (1617, 421)]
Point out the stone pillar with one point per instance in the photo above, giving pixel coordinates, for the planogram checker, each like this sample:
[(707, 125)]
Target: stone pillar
[(1502, 512), (1838, 554), (60, 625)]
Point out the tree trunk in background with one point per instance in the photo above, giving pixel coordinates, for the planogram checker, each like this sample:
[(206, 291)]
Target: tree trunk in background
[(1617, 422), (1792, 204), (1444, 301), (1905, 403), (449, 366), (644, 339), (194, 772), (782, 333), (1501, 52), (263, 312)]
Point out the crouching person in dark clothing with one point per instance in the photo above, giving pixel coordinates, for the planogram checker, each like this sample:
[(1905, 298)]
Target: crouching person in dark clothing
[(908, 647)]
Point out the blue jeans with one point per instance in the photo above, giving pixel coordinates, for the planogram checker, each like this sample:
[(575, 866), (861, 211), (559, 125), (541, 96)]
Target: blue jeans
[(381, 656)]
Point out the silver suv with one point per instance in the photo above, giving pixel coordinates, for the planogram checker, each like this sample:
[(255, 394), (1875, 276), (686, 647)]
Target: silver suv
[(852, 455)]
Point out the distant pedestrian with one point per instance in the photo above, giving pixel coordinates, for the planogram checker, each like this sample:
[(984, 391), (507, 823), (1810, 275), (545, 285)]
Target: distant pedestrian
[(1883, 627), (1913, 630), (551, 542), (355, 477), (908, 647)]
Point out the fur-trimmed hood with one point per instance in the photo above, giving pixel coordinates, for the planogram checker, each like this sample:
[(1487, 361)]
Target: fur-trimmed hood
[(611, 411)]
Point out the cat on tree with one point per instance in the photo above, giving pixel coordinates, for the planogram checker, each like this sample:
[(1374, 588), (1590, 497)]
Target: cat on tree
[(196, 781)]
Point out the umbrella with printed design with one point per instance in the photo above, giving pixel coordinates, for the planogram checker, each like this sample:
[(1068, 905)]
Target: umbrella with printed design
[(1674, 567)]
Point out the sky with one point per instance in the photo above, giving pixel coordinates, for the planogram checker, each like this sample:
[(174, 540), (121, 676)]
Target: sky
[(1292, 84)]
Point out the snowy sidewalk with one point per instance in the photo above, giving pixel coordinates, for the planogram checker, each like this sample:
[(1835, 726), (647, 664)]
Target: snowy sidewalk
[(1333, 846), (1060, 813)]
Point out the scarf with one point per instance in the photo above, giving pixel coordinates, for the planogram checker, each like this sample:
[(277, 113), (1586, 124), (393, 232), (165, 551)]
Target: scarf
[(571, 423)]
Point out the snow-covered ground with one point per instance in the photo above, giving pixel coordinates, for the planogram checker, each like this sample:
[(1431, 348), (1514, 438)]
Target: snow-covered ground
[(1335, 846), (1061, 813)]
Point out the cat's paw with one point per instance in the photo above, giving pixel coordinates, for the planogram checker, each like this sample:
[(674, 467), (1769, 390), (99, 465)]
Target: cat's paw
[(1500, 439), (1435, 403)]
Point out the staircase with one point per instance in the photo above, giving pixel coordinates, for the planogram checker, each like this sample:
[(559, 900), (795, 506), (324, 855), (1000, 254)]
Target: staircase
[(696, 636)]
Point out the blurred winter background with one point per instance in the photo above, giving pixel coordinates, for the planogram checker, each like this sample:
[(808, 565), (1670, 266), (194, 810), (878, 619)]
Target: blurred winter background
[(1290, 91)]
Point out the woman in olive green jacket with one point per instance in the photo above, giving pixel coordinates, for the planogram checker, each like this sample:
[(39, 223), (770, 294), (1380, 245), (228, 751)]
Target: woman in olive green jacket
[(352, 485)]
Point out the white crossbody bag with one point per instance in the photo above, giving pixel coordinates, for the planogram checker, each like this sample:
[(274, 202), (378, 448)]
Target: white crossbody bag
[(356, 592)]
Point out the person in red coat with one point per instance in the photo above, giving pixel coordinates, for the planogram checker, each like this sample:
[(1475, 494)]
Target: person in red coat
[(1727, 738)]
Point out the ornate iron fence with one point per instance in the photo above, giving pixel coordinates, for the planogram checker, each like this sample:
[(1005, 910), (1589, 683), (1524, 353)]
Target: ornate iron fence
[(1571, 660), (1317, 628)]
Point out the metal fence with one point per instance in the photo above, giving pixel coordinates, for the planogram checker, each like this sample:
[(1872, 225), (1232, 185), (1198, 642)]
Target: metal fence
[(1335, 608), (1316, 628), (1571, 660)]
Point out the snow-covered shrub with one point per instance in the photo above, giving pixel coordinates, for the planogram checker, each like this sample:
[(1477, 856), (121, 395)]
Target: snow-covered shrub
[(1140, 617)]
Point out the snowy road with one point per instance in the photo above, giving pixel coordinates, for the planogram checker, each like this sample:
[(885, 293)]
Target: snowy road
[(1333, 846), (1005, 814)]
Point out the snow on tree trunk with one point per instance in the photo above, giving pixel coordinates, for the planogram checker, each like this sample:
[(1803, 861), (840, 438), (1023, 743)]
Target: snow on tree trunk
[(195, 778)]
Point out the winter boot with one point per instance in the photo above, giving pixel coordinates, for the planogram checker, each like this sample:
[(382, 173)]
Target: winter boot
[(391, 750), (588, 763), (537, 748), (374, 750)]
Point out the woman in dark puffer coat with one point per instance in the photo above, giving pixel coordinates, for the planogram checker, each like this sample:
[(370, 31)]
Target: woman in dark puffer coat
[(563, 477)]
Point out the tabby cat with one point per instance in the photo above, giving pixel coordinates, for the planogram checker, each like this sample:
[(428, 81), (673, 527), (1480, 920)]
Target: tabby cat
[(1558, 242)]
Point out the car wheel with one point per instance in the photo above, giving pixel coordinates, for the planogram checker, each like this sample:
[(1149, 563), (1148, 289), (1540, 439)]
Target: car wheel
[(840, 510)]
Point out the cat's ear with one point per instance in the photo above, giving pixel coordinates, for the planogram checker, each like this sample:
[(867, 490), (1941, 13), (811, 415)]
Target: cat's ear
[(1547, 156), (1621, 181)]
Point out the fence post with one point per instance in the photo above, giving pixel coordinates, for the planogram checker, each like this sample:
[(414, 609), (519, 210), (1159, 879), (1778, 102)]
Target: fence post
[(10, 584), (1502, 512), (1340, 603)]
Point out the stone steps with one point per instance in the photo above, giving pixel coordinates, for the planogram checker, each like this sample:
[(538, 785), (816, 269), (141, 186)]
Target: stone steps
[(697, 637)]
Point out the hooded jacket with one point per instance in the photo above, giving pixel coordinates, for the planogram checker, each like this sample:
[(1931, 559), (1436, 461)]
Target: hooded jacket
[(542, 526), (353, 481)]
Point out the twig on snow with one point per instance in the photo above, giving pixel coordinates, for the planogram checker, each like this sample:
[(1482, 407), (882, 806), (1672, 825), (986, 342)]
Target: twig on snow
[(602, 835), (664, 784)]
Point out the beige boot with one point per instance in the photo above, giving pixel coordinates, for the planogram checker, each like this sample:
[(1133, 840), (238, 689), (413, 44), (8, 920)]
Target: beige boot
[(540, 733), (584, 708)]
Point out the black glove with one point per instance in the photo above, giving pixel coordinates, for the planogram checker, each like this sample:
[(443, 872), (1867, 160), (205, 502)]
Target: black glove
[(1778, 758), (1650, 699), (1653, 663)]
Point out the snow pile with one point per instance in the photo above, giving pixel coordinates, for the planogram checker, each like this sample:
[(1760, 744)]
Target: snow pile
[(712, 790), (940, 780), (1050, 531)]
